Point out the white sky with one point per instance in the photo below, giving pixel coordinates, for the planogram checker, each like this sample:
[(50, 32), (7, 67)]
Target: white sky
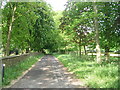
[(57, 4)]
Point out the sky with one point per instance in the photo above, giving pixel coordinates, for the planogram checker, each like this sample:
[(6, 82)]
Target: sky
[(58, 5)]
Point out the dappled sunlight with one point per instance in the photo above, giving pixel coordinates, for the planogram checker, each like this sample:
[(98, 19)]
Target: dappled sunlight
[(93, 74), (48, 73), (82, 35), (12, 73), (46, 68)]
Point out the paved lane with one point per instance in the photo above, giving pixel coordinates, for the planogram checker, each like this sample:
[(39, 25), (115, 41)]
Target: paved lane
[(48, 73)]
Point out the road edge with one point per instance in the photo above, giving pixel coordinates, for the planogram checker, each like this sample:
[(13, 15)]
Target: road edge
[(71, 74), (23, 74)]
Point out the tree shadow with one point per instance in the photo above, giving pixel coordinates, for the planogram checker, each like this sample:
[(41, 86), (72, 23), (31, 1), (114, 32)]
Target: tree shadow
[(48, 73)]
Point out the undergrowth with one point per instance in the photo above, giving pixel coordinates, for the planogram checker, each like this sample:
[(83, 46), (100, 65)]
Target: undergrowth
[(104, 75), (12, 72)]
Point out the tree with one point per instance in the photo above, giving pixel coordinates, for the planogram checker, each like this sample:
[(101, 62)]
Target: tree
[(31, 28), (76, 23), (17, 30), (97, 34), (109, 27), (90, 24), (10, 21)]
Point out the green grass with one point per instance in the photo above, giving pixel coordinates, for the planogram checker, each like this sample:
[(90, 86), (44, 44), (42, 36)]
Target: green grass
[(13, 72), (0, 80), (0, 74), (94, 75)]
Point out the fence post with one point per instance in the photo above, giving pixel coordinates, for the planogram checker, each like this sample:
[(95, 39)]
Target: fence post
[(3, 71)]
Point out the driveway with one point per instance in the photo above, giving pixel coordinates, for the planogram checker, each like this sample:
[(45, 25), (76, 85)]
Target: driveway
[(48, 73)]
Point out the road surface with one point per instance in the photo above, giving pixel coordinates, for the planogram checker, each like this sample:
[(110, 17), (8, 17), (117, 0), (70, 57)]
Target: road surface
[(48, 73)]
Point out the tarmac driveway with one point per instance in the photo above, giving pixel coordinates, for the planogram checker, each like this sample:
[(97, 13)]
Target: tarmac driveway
[(48, 73)]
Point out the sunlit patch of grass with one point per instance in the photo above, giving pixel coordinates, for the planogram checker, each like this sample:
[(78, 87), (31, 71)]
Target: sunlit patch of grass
[(0, 79), (94, 75), (14, 71)]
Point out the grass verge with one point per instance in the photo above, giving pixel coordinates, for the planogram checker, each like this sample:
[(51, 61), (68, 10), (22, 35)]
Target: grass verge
[(94, 75), (15, 71)]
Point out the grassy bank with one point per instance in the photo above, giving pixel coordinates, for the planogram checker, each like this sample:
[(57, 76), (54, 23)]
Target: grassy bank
[(13, 72), (94, 75)]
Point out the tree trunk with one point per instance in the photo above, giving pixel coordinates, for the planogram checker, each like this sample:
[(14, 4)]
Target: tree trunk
[(92, 54), (9, 31), (107, 52), (85, 50), (27, 50), (79, 49), (98, 52)]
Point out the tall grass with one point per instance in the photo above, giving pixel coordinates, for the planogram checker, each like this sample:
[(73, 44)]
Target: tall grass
[(94, 75), (0, 74), (0, 79), (14, 71)]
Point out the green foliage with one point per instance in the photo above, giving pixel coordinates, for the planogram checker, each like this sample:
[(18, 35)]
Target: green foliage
[(94, 75), (13, 72), (33, 28), (78, 23), (23, 22), (41, 29)]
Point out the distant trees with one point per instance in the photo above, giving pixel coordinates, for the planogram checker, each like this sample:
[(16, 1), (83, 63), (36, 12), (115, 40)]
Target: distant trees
[(28, 26), (88, 23), (76, 23), (109, 27), (17, 23), (81, 25)]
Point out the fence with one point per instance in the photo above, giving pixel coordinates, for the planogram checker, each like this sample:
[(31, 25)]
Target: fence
[(12, 60)]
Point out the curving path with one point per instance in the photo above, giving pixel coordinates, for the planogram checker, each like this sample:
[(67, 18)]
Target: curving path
[(48, 73)]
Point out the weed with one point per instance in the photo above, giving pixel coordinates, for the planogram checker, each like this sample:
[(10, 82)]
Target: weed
[(95, 75), (14, 71)]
